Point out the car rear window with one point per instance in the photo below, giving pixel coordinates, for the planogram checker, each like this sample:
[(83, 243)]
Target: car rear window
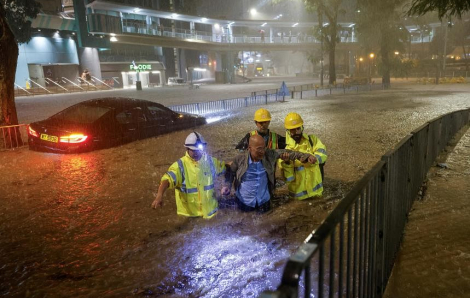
[(81, 114)]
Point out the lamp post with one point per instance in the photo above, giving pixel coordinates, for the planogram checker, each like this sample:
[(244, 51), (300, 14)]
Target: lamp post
[(372, 55)]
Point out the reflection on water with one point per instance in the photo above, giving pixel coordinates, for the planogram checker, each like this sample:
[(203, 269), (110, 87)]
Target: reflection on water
[(214, 262)]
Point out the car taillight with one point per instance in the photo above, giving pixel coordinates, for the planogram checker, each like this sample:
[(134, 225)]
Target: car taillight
[(32, 132), (74, 139)]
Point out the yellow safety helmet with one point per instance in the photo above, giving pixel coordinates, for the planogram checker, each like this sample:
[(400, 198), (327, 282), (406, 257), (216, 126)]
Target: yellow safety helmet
[(293, 120), (262, 115)]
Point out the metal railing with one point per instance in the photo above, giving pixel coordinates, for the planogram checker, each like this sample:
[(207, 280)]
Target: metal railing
[(351, 254), (13, 136), (269, 96)]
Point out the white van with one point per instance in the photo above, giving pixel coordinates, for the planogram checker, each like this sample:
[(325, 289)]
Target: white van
[(175, 81)]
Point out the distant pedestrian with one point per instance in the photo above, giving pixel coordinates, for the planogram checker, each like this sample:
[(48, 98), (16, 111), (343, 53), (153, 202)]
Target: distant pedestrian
[(86, 75)]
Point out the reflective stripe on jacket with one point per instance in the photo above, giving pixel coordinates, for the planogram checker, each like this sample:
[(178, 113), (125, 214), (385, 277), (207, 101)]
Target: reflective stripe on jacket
[(193, 182), (304, 179), (272, 142)]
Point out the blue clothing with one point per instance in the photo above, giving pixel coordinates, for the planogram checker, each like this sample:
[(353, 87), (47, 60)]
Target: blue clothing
[(253, 190)]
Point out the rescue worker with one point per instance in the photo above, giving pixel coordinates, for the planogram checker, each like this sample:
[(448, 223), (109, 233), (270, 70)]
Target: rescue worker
[(262, 120), (254, 174), (303, 180), (192, 177)]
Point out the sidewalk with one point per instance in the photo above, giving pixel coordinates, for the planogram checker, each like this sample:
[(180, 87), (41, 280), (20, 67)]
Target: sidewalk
[(434, 260)]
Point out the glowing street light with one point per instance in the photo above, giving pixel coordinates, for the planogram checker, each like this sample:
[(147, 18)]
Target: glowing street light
[(372, 55), (397, 53), (253, 11)]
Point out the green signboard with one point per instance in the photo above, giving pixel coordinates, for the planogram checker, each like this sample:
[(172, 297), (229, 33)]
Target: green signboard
[(140, 67)]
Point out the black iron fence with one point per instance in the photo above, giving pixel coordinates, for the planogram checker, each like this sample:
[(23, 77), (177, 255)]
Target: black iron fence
[(13, 136), (352, 252)]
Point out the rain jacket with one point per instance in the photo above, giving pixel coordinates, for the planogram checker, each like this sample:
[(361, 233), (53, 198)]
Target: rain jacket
[(193, 182), (274, 141), (304, 179)]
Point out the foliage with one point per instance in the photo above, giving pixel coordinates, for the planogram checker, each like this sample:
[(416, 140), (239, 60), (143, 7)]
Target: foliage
[(18, 14), (402, 68), (443, 7), (380, 31)]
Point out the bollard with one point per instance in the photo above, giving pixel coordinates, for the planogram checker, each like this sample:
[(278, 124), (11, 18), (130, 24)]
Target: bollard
[(316, 92)]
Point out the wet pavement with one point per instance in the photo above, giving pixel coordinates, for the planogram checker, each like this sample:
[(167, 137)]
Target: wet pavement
[(81, 225), (434, 260)]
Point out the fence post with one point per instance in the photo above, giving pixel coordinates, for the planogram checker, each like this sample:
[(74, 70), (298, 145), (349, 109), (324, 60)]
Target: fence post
[(246, 101), (383, 190), (197, 108), (316, 92), (224, 105), (276, 94), (266, 94), (330, 90)]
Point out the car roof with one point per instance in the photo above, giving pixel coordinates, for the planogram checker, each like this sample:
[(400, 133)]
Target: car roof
[(117, 102)]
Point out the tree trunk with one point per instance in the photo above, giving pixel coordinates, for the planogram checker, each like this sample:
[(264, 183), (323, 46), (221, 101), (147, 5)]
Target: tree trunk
[(385, 53), (8, 60), (464, 56), (332, 66), (332, 52)]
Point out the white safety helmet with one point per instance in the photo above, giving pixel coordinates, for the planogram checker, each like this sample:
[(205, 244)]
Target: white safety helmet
[(195, 141)]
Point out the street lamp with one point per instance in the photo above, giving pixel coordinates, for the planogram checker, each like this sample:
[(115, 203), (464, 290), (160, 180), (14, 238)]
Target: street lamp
[(372, 55)]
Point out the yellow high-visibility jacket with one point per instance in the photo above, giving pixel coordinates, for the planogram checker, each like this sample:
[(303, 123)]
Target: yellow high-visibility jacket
[(304, 179), (193, 182), (272, 143)]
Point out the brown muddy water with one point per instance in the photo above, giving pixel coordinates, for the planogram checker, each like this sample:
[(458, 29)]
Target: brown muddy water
[(81, 225)]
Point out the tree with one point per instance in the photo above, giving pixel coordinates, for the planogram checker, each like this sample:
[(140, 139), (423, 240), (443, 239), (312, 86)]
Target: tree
[(378, 28), (330, 9), (328, 33), (15, 28), (443, 7), (458, 37)]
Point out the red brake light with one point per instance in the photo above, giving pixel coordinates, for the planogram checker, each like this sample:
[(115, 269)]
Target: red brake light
[(32, 132), (74, 138)]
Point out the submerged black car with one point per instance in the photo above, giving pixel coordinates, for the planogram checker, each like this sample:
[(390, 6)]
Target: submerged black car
[(106, 122)]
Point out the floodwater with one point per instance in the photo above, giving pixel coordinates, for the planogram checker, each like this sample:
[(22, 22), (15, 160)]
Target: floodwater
[(81, 225)]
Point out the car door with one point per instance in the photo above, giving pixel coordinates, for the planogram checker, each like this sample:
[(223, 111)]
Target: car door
[(133, 123), (160, 119)]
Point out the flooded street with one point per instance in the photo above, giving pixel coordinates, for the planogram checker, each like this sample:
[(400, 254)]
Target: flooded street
[(81, 225)]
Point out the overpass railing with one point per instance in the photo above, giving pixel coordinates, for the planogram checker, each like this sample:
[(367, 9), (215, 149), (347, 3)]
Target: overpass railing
[(352, 252)]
